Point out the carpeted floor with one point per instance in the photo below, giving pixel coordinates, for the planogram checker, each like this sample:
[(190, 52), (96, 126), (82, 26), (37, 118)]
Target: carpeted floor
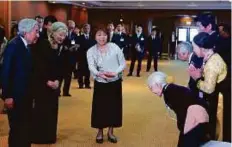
[(146, 122)]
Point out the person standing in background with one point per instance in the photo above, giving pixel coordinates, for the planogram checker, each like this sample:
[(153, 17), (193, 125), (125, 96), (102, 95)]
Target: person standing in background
[(153, 46), (138, 50), (86, 42)]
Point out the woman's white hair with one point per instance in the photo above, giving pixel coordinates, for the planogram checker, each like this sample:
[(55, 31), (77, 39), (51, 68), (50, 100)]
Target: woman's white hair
[(157, 78), (26, 25), (58, 26), (184, 47)]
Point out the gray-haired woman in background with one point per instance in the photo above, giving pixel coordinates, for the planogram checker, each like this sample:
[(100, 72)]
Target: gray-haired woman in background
[(45, 83), (106, 63)]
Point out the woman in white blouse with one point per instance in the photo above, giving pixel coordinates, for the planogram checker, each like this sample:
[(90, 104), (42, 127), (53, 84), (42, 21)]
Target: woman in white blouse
[(106, 63)]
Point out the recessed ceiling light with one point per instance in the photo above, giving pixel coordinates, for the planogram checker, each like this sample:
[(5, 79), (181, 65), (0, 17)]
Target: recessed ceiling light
[(53, 2), (83, 3)]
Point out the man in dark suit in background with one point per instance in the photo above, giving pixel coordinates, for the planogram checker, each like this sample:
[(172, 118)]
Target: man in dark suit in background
[(153, 47), (86, 42), (121, 39), (48, 21), (110, 31), (138, 50), (15, 76)]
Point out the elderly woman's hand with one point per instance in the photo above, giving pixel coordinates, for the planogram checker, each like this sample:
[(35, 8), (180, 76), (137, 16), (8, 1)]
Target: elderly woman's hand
[(195, 73)]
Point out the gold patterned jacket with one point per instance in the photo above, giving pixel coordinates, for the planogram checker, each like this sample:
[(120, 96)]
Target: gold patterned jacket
[(215, 71)]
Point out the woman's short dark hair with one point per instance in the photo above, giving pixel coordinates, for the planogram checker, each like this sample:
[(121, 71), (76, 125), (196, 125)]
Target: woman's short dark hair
[(203, 40), (49, 18)]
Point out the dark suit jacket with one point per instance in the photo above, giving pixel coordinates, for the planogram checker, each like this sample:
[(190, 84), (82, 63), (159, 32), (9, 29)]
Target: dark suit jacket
[(138, 40), (85, 45), (120, 40), (153, 46), (16, 70)]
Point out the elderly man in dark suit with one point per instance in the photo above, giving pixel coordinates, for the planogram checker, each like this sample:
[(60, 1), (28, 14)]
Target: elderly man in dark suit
[(16, 71), (83, 72), (138, 50)]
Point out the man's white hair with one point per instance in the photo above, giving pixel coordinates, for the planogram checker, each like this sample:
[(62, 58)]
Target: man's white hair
[(71, 22), (184, 47), (26, 25), (157, 78)]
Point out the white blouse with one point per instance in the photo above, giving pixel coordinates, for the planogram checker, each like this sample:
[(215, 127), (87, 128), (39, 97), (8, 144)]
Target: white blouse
[(111, 61)]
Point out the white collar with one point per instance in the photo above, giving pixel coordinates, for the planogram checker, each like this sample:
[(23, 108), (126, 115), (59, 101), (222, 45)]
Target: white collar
[(24, 41), (190, 57)]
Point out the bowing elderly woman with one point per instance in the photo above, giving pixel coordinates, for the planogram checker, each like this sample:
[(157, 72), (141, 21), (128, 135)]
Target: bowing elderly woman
[(106, 63), (45, 89), (191, 113)]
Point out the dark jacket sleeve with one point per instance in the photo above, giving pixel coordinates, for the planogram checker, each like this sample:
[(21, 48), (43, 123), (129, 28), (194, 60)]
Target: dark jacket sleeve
[(7, 71)]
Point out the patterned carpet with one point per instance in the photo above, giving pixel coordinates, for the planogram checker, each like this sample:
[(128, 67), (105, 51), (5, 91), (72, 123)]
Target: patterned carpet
[(146, 122)]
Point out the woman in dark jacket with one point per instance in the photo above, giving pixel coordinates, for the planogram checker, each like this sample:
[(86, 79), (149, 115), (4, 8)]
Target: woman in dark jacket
[(45, 83), (191, 113)]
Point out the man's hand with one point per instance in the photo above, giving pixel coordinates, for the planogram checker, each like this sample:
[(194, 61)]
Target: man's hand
[(9, 103)]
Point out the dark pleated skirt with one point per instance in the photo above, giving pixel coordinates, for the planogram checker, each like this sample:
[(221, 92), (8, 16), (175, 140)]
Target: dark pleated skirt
[(107, 105)]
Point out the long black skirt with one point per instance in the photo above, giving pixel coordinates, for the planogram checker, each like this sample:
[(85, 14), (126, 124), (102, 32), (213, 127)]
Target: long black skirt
[(107, 105), (44, 117)]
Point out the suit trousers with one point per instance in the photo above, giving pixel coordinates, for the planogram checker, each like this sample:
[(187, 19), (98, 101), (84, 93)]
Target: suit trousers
[(133, 60), (20, 124), (149, 60), (66, 77)]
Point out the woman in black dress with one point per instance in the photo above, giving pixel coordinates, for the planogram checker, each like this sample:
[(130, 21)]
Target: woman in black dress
[(45, 85), (191, 113)]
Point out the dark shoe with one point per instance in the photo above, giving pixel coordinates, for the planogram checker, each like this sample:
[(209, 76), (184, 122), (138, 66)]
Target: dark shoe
[(87, 87), (81, 87), (147, 70), (99, 140), (67, 95), (138, 75), (129, 75), (112, 139)]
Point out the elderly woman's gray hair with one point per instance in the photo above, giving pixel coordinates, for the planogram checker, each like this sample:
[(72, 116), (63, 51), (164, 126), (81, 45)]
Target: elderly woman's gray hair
[(184, 47), (159, 78), (58, 26), (26, 25)]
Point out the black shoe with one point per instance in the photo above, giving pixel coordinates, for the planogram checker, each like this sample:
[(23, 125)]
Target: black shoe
[(99, 140), (112, 139), (138, 75), (81, 87), (147, 70), (67, 95), (88, 87), (129, 75)]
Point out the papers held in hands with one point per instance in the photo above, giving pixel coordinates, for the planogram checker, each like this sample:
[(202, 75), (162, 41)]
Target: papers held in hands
[(138, 48)]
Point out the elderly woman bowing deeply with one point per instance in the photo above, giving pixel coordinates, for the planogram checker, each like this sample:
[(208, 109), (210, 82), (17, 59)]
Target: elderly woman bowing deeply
[(192, 117), (106, 63), (45, 89)]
